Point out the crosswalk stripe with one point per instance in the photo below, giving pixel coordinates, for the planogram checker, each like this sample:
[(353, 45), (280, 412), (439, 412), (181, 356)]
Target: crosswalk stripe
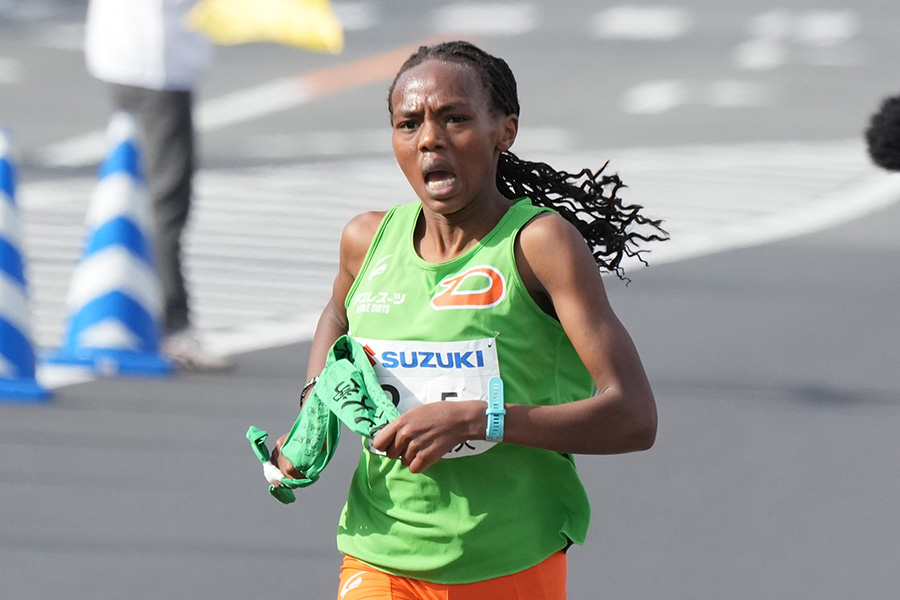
[(357, 16), (631, 22), (486, 18)]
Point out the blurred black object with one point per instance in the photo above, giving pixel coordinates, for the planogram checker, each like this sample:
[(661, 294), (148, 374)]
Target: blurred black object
[(883, 135)]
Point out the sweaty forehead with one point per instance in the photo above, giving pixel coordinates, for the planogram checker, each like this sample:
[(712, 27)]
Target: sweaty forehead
[(439, 81)]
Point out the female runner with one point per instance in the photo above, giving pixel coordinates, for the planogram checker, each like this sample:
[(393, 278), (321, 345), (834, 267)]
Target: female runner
[(492, 273)]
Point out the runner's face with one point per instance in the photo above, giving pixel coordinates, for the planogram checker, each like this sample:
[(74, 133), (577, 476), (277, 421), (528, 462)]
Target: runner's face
[(446, 137)]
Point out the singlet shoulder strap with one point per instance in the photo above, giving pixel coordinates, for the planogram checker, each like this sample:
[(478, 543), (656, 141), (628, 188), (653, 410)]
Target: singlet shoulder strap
[(394, 214), (519, 214)]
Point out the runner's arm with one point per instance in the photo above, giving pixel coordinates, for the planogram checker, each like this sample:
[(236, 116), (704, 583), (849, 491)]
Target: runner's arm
[(332, 324), (555, 262)]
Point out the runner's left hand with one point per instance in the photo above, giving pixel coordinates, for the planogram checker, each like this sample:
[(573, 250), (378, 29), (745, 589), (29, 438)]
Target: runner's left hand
[(423, 434)]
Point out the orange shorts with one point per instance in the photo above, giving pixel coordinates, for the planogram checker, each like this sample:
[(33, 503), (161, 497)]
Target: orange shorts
[(544, 581)]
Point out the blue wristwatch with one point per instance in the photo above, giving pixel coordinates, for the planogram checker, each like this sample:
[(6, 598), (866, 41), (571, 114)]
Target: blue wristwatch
[(495, 410)]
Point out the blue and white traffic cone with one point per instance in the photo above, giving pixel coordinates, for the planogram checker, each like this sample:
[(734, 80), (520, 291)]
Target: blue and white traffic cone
[(17, 359), (115, 300)]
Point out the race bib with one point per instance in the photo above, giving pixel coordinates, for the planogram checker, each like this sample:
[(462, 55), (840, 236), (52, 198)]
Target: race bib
[(414, 373)]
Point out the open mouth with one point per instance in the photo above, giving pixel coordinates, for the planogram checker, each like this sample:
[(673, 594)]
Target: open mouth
[(438, 181)]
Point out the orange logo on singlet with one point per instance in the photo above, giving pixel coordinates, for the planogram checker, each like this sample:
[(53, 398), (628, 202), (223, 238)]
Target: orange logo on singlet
[(484, 287)]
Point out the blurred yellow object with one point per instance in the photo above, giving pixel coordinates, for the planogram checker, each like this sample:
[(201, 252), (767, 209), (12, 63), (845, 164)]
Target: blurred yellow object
[(309, 24)]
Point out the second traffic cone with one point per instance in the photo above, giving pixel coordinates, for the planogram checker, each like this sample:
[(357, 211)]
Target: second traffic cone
[(115, 301), (17, 360)]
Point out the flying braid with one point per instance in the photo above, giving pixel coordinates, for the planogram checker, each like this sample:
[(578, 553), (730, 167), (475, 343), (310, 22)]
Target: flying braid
[(587, 199)]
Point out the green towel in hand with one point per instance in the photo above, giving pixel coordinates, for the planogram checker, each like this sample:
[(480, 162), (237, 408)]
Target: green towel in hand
[(349, 387), (347, 390)]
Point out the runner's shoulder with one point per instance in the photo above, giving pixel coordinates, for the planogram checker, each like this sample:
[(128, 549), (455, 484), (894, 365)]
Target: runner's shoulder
[(360, 230), (549, 232), (357, 237)]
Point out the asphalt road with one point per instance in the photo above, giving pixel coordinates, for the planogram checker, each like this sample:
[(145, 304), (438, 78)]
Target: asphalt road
[(776, 473)]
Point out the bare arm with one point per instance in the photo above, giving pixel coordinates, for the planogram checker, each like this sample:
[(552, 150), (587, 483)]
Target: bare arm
[(561, 274), (355, 241), (621, 417)]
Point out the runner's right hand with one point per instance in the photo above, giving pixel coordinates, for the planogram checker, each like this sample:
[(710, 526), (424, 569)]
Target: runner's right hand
[(283, 464)]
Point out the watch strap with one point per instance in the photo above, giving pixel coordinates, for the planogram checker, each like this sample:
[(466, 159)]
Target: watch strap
[(496, 411)]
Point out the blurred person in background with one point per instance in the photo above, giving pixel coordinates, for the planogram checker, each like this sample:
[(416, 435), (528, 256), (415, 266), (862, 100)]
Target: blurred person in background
[(153, 63)]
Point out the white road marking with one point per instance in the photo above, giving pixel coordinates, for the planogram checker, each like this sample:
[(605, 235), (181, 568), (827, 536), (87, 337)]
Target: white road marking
[(357, 16), (822, 38), (252, 103), (633, 22), (243, 105), (11, 70), (486, 18), (83, 150), (827, 28), (773, 24), (876, 192), (760, 54), (657, 97)]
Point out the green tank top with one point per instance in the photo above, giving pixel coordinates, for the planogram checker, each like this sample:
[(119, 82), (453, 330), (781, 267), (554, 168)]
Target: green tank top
[(437, 332)]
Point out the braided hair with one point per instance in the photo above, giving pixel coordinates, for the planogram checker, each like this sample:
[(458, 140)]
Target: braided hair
[(587, 199)]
